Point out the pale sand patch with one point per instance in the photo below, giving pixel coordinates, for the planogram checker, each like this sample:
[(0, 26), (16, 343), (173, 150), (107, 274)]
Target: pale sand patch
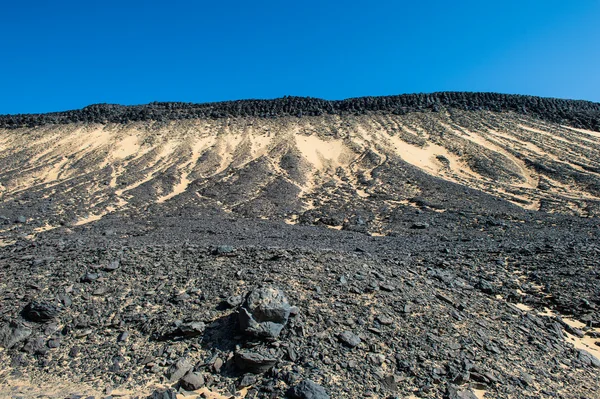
[(127, 147), (260, 144), (89, 219), (479, 393), (54, 173), (5, 243), (323, 154), (524, 307), (586, 343), (425, 158)]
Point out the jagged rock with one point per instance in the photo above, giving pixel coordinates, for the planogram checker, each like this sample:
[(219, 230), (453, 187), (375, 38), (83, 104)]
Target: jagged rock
[(12, 333), (163, 394), (246, 380), (35, 346), (89, 277), (112, 266), (192, 381), (307, 389), (455, 392), (264, 313), (254, 362), (178, 369), (349, 339), (40, 312), (224, 250), (123, 336), (190, 329), (588, 359), (234, 301)]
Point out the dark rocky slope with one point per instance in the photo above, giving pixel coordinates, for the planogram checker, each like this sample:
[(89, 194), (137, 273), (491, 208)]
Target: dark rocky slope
[(445, 253)]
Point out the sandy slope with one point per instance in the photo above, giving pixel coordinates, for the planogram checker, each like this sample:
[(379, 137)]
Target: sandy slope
[(495, 153)]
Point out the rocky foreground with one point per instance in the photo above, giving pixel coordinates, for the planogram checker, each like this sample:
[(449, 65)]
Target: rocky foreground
[(427, 246), (425, 314)]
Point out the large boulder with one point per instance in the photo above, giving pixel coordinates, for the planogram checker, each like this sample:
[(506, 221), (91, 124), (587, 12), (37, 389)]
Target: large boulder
[(264, 313), (12, 333)]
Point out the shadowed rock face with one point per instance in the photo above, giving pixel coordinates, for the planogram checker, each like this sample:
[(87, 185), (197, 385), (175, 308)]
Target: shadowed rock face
[(435, 253)]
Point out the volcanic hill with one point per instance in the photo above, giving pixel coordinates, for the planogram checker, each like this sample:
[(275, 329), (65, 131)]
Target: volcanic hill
[(439, 245)]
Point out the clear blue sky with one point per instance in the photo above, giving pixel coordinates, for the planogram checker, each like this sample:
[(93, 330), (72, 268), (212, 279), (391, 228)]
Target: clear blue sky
[(58, 55)]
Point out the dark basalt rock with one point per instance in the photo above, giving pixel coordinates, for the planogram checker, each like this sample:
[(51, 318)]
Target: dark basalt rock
[(254, 362), (582, 114), (307, 389), (192, 381), (264, 313), (190, 329), (12, 333), (40, 312), (163, 394), (349, 339), (178, 369)]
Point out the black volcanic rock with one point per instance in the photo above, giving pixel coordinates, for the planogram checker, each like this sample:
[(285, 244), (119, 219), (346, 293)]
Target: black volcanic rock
[(40, 312), (581, 114), (163, 394), (307, 389), (264, 313), (12, 333), (192, 381), (349, 339), (254, 362)]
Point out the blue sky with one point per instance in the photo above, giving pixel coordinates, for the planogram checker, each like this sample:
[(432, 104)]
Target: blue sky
[(58, 55)]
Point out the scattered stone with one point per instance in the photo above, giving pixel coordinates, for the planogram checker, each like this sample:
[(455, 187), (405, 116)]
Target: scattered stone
[(419, 226), (218, 364), (190, 329), (224, 250), (349, 339), (163, 394), (35, 346), (307, 389), (246, 381), (385, 320), (178, 369), (89, 277), (254, 362), (264, 313), (101, 291), (192, 381), (112, 266), (123, 336), (455, 392)]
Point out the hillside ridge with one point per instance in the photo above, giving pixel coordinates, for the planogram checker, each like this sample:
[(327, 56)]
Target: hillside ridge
[(576, 113)]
